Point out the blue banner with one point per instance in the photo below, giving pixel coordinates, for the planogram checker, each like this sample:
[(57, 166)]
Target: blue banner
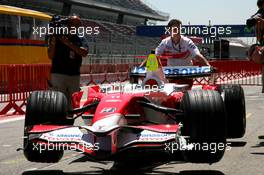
[(199, 31)]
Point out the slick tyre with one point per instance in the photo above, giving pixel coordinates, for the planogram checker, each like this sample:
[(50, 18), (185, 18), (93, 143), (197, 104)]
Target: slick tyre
[(234, 99), (44, 107), (205, 124)]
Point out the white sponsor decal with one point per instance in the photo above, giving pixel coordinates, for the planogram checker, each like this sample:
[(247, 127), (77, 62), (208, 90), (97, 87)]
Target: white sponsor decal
[(145, 136), (154, 136), (67, 135), (180, 70), (108, 110)]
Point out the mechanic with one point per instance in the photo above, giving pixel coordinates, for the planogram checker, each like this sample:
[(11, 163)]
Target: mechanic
[(256, 51), (66, 52), (180, 50)]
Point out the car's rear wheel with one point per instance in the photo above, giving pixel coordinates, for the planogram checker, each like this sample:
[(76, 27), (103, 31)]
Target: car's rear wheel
[(44, 107), (205, 124), (234, 99)]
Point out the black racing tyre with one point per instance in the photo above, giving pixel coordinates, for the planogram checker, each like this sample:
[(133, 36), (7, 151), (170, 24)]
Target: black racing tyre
[(234, 99), (44, 107), (205, 124), (37, 153)]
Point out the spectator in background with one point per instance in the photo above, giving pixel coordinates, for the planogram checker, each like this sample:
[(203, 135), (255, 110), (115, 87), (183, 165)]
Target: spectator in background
[(66, 52), (256, 52), (257, 20)]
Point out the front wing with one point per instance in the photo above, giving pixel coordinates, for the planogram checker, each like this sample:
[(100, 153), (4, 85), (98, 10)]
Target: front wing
[(102, 143)]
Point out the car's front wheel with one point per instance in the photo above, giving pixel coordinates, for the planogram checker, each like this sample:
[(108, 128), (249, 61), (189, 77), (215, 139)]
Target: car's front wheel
[(44, 107), (204, 123)]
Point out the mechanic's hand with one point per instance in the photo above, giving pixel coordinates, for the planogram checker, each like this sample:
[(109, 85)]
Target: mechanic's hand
[(64, 39), (214, 69), (257, 17), (141, 66)]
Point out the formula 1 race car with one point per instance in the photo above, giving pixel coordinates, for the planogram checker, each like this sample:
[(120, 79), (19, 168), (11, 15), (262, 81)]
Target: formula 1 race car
[(137, 127)]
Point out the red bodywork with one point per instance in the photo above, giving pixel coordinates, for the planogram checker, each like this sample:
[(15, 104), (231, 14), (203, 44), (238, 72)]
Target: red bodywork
[(126, 132)]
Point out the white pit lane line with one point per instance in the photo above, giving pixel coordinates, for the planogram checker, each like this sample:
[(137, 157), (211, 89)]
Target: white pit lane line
[(6, 146), (248, 115), (12, 120)]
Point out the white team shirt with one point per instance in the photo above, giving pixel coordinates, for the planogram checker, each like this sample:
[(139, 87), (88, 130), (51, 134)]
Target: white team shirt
[(181, 54)]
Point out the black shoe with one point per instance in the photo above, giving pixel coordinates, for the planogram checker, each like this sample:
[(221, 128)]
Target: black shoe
[(261, 137)]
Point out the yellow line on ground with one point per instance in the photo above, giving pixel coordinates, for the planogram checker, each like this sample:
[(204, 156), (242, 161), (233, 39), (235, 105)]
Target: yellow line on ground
[(13, 161), (248, 115)]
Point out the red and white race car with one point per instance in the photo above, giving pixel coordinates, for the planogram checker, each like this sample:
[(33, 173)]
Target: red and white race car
[(137, 127)]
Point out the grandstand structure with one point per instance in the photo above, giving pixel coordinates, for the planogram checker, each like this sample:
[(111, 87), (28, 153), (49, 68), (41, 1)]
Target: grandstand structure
[(116, 19)]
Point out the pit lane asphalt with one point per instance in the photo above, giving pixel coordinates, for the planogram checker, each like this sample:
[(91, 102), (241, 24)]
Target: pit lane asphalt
[(246, 156)]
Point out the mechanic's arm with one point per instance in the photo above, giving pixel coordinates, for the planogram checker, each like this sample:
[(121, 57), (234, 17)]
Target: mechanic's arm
[(196, 55), (52, 47), (202, 60), (143, 64), (79, 50)]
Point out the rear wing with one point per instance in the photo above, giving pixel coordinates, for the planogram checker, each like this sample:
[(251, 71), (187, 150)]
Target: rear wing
[(176, 72)]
